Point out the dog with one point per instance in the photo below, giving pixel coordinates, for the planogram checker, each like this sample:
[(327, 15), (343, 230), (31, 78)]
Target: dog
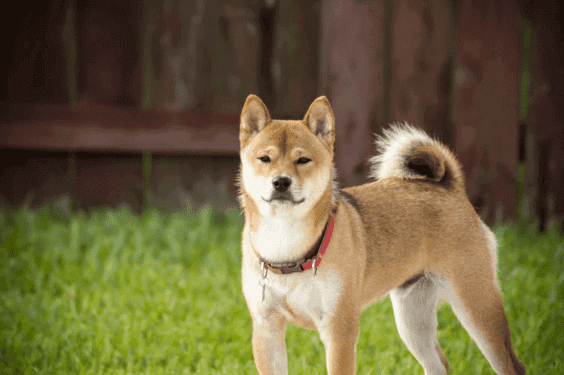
[(315, 255)]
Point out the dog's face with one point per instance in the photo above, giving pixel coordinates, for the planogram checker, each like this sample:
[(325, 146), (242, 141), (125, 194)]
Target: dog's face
[(286, 165)]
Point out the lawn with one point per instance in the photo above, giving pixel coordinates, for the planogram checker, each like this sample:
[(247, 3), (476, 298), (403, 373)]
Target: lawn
[(110, 292)]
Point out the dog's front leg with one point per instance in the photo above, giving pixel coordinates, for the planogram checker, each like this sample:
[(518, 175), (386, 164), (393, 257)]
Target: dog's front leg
[(339, 335), (269, 347)]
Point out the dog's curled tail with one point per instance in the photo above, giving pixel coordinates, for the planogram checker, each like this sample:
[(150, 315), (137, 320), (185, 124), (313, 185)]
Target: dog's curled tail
[(408, 152)]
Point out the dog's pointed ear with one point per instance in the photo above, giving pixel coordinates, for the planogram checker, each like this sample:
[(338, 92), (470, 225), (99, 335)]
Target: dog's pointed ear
[(254, 118), (320, 119)]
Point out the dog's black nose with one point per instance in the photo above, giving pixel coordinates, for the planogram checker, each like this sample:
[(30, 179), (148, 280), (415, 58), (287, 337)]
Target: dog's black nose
[(281, 184)]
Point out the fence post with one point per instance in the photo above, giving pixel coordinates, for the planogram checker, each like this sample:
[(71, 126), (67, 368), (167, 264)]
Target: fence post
[(545, 117), (351, 75), (422, 64), (486, 104), (295, 56)]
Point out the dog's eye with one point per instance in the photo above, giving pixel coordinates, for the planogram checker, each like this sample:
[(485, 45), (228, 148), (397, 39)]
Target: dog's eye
[(264, 159), (303, 160)]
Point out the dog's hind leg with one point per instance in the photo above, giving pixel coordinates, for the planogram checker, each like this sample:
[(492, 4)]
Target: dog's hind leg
[(474, 295), (479, 307), (415, 312)]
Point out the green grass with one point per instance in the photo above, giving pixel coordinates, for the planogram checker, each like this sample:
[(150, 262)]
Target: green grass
[(109, 292)]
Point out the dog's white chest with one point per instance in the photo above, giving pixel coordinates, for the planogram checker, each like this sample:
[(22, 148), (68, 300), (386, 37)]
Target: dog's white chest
[(310, 299), (295, 295)]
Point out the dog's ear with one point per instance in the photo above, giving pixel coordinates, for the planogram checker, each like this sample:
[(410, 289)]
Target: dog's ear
[(254, 118), (320, 119)]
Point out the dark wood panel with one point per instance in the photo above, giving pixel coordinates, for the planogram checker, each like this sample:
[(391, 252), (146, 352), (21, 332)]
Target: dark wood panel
[(204, 54), (91, 179), (32, 177), (421, 64), (107, 180), (109, 52), (351, 63), (179, 182), (295, 56), (33, 54), (545, 144)]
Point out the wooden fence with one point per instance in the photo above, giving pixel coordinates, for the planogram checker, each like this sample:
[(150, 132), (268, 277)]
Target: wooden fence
[(137, 102)]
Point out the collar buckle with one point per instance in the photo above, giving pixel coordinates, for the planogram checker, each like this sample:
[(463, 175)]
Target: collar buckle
[(314, 260)]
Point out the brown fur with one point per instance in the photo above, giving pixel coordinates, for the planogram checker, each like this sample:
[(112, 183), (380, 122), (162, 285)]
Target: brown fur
[(415, 220)]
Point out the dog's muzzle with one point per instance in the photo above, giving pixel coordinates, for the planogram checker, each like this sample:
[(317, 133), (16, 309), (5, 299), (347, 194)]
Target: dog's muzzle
[(281, 193)]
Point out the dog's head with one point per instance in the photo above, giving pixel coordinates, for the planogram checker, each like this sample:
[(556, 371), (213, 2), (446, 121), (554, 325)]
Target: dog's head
[(286, 164)]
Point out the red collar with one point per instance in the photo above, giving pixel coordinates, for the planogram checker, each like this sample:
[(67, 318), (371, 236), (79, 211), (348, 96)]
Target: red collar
[(310, 260)]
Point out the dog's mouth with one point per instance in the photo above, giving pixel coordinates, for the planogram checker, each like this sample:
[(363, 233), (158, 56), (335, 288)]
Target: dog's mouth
[(283, 198)]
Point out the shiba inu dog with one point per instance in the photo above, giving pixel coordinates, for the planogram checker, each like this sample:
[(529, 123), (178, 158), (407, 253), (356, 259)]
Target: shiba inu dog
[(315, 256)]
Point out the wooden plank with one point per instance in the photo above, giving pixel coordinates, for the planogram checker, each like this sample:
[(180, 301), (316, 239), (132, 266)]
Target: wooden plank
[(545, 144), (486, 104), (177, 56), (33, 53), (204, 54), (108, 180), (118, 129), (295, 60), (109, 62), (32, 177), (351, 76), (233, 41), (421, 64), (180, 181)]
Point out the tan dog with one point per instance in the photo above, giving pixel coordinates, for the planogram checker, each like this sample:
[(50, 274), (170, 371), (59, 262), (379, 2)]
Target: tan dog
[(315, 256)]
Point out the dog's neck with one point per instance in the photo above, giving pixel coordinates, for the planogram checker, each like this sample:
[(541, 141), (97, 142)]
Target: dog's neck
[(282, 236), (312, 259)]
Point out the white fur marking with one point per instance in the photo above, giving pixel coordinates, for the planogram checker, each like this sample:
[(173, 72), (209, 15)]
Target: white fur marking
[(415, 313), (282, 233)]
